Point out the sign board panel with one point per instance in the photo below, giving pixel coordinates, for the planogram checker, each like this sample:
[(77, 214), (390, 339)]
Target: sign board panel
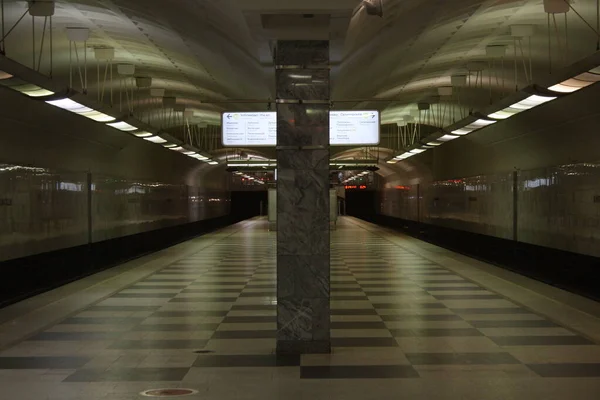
[(347, 128), (354, 128), (247, 129)]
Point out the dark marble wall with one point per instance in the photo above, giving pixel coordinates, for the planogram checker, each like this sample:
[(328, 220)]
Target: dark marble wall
[(303, 272)]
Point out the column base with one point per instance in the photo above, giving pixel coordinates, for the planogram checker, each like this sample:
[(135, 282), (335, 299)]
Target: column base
[(291, 347)]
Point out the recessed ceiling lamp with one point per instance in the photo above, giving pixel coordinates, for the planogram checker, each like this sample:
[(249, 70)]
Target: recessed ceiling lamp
[(155, 139), (417, 151), (523, 105), (447, 138), (32, 90), (122, 126), (76, 108), (577, 83), (142, 134), (480, 123)]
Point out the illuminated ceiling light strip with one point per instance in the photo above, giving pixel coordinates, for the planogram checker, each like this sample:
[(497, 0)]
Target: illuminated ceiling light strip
[(531, 102), (480, 123), (503, 114), (155, 139), (70, 105), (143, 134), (122, 126), (461, 131), (577, 83), (80, 109), (98, 116), (33, 90), (447, 138)]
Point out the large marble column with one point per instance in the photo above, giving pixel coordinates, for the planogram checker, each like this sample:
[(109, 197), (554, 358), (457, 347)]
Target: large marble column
[(303, 278)]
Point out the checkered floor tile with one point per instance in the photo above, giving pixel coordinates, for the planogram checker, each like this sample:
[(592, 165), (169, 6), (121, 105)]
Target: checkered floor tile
[(395, 315)]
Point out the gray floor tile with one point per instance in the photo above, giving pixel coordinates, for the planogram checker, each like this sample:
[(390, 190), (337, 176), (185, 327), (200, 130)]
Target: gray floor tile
[(344, 290), (75, 336), (399, 306), (387, 285), (143, 295), (362, 311), (500, 310), (425, 317), (43, 362), (258, 334), (253, 307), (467, 296), (212, 291), (460, 358), (249, 320), (514, 324), (203, 300), (247, 361), (251, 286), (346, 297), (142, 286), (566, 370), (436, 332), (195, 313), (101, 321), (128, 375), (453, 288), (158, 344), (165, 280), (364, 342), (358, 372), (258, 294), (358, 325), (540, 340), (395, 293), (175, 327), (122, 308)]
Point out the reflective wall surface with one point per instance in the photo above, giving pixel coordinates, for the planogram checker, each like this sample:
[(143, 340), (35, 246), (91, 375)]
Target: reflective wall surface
[(556, 207), (43, 210), (560, 207)]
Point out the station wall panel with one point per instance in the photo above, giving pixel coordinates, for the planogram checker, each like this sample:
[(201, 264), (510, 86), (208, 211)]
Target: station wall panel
[(556, 207), (43, 210)]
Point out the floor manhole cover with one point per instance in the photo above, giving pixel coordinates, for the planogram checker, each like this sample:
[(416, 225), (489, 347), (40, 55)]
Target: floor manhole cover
[(168, 392)]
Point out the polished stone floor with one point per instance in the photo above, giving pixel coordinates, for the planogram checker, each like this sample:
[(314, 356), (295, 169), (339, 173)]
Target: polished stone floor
[(409, 320)]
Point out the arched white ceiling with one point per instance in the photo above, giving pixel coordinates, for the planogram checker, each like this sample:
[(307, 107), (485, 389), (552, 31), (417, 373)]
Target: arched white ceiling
[(204, 51)]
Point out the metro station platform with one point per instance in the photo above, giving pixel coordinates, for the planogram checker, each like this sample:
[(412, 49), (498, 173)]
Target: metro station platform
[(409, 321)]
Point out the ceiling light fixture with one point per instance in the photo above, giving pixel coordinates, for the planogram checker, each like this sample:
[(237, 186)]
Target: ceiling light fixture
[(143, 134), (80, 109), (155, 139), (578, 82), (447, 138), (122, 126)]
